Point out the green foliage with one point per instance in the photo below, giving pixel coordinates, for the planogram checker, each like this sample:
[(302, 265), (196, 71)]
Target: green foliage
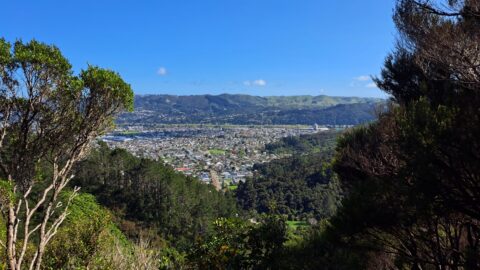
[(401, 189), (49, 117), (319, 247), (3, 239), (56, 112), (236, 102), (244, 109), (41, 57), (295, 224), (152, 195), (90, 240), (311, 143), (6, 192), (5, 56), (87, 231), (239, 244), (409, 181), (410, 177), (110, 84), (299, 187), (401, 77)]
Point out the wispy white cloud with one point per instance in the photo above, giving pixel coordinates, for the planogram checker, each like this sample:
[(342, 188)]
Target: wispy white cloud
[(371, 85), (259, 82), (362, 78), (363, 81), (162, 71)]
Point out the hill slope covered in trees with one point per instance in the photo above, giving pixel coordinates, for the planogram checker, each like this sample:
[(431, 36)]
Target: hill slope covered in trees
[(300, 186), (244, 109), (409, 181), (145, 193)]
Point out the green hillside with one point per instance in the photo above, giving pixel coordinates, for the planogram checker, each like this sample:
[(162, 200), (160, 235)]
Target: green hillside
[(245, 109)]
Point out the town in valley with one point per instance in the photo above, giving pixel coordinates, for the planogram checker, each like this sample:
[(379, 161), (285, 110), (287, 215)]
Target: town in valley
[(221, 155)]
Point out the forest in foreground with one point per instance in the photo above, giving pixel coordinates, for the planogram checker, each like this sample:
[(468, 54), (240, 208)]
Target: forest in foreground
[(400, 192)]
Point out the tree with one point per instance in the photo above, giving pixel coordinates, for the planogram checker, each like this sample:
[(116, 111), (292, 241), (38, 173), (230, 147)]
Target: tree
[(150, 195), (413, 177), (239, 244), (49, 118)]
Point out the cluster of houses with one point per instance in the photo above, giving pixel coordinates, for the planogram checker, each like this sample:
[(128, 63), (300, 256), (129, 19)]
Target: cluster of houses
[(222, 156)]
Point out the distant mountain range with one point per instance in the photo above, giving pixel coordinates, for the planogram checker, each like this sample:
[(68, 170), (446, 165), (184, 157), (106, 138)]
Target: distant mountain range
[(246, 109)]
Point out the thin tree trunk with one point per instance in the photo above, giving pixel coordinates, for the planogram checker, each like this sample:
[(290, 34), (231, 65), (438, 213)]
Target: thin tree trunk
[(10, 237), (41, 250), (43, 236)]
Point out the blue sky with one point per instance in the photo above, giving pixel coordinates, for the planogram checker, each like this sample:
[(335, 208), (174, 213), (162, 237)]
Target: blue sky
[(182, 47)]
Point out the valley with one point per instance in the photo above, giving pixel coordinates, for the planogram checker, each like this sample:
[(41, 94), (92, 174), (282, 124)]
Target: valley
[(226, 153)]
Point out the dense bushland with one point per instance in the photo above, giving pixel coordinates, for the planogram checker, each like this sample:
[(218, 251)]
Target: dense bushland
[(300, 187), (412, 177), (144, 193), (409, 182)]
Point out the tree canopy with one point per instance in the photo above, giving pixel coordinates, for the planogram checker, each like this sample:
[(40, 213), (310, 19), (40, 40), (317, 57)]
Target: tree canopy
[(49, 117), (412, 177)]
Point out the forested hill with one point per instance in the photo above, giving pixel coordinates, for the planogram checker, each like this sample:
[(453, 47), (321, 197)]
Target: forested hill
[(144, 193), (305, 144), (245, 109), (300, 186)]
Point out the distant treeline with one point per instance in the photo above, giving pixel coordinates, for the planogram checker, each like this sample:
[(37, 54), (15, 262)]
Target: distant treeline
[(309, 143)]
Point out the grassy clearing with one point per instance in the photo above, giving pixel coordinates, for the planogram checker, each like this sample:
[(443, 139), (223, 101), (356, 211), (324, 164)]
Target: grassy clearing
[(130, 132), (217, 152), (294, 224), (296, 232), (232, 187)]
